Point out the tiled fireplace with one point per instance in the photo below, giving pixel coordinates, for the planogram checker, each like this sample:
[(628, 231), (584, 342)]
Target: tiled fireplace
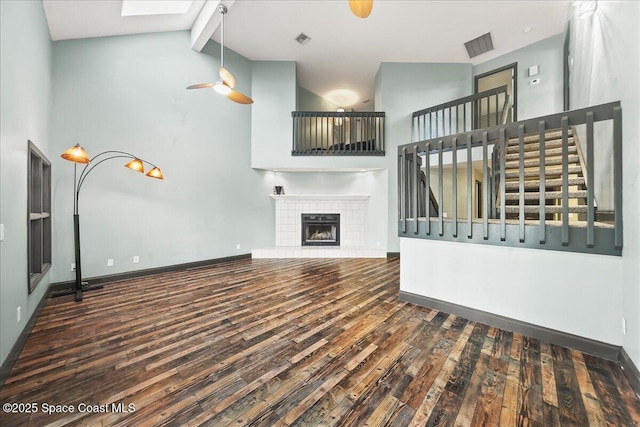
[(349, 210)]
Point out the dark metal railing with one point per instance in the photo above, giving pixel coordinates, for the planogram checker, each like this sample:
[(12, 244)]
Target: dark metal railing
[(484, 109), (490, 225), (318, 133)]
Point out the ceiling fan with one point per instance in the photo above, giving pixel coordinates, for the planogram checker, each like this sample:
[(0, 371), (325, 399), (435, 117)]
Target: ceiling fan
[(227, 82), (361, 8)]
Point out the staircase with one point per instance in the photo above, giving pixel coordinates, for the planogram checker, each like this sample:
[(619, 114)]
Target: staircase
[(577, 194)]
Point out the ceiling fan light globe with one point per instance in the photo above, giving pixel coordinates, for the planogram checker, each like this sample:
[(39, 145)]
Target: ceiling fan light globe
[(222, 88)]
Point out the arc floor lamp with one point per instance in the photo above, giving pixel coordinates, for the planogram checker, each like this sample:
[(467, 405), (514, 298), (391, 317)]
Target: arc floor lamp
[(78, 155)]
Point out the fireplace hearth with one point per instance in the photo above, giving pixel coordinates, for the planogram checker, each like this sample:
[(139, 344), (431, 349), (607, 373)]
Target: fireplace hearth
[(320, 230)]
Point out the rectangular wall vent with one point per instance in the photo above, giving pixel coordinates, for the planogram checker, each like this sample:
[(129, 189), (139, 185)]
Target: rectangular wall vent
[(479, 45)]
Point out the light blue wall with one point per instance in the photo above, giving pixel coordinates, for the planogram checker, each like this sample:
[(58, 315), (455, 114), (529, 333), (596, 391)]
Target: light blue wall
[(128, 93), (402, 89), (25, 113), (274, 87), (545, 97)]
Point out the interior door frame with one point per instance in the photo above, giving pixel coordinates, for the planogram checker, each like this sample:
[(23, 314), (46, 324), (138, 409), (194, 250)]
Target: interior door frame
[(514, 67)]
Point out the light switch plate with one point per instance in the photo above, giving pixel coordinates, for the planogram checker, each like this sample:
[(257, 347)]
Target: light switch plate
[(533, 71), (1, 232)]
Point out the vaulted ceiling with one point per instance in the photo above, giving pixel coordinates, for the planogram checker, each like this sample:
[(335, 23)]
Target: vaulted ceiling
[(344, 52)]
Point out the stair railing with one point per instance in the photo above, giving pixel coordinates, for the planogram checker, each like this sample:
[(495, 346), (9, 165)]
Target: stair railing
[(484, 109), (321, 133), (583, 165), (557, 235)]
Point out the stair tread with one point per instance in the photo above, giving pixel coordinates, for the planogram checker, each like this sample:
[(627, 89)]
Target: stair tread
[(581, 194), (514, 145), (572, 159), (535, 154), (548, 209), (548, 172), (548, 183), (549, 135)]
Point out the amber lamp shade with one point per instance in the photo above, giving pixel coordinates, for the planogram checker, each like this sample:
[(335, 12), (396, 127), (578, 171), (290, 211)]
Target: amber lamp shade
[(155, 173), (76, 154), (136, 165)]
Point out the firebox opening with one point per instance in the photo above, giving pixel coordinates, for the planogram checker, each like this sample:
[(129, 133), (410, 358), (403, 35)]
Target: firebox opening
[(320, 229)]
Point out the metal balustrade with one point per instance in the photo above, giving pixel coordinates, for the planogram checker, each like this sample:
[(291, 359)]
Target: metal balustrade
[(484, 109), (320, 133), (562, 226)]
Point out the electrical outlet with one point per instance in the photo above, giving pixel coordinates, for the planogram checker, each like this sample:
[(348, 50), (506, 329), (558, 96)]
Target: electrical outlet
[(73, 266), (18, 314), (136, 259), (534, 81), (624, 326), (110, 262), (238, 246)]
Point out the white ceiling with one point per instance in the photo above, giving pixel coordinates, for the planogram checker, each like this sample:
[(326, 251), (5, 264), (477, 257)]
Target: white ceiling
[(345, 51)]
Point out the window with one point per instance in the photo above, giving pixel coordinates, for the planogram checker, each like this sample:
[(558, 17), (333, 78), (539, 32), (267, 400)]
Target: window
[(39, 216)]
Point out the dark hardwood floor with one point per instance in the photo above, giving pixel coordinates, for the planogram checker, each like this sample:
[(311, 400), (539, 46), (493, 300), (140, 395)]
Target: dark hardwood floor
[(308, 342)]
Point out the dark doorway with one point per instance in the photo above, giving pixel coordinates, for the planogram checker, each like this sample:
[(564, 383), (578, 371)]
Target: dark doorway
[(506, 75), (479, 198)]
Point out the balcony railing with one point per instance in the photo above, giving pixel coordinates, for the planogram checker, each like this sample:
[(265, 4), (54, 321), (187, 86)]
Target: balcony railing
[(484, 109), (506, 220), (320, 133)]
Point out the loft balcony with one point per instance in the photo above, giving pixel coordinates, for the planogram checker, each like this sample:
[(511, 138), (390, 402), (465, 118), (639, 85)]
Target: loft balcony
[(324, 133)]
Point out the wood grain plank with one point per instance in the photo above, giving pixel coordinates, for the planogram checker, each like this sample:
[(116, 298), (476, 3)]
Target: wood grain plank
[(512, 400), (423, 412), (549, 394), (570, 405), (612, 405), (588, 393)]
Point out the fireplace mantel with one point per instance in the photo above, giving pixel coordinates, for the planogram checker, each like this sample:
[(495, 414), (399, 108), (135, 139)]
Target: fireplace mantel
[(319, 196), (290, 208)]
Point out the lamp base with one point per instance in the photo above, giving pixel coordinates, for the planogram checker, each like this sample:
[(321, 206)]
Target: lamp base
[(77, 292)]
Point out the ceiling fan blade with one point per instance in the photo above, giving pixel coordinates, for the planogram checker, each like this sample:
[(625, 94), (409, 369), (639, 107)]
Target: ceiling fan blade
[(227, 77), (361, 8), (238, 97), (201, 86)]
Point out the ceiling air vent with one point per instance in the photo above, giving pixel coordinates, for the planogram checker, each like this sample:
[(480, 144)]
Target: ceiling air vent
[(479, 45), (303, 39)]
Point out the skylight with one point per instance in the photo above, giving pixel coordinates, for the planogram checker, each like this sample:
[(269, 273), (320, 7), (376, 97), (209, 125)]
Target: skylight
[(155, 7)]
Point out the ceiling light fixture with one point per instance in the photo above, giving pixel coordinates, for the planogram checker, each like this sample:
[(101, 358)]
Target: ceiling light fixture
[(221, 88), (361, 8), (227, 81)]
